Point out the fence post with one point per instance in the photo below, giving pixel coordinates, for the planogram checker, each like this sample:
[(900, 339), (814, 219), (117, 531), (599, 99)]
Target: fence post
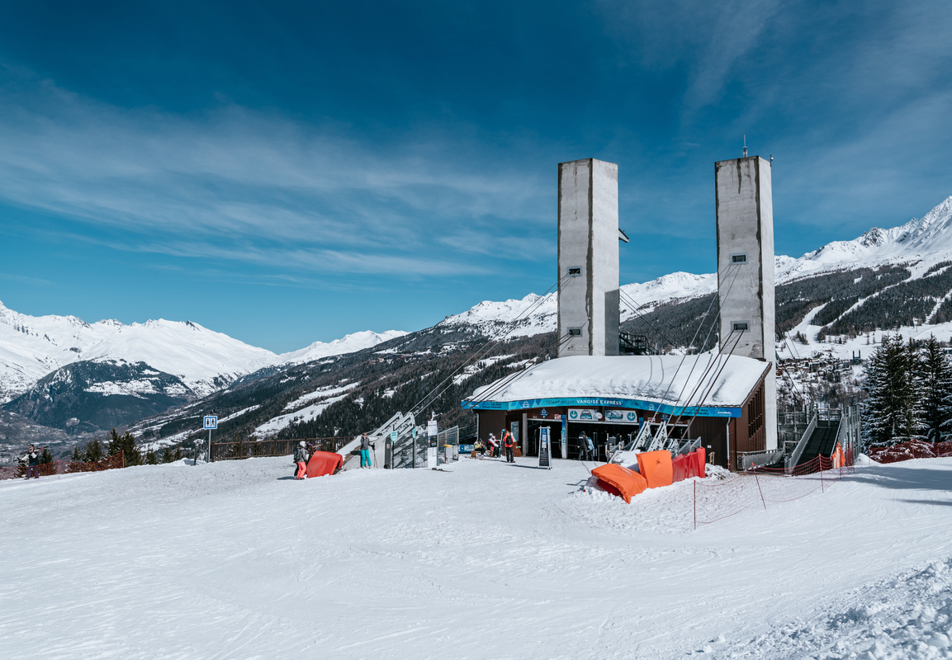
[(123, 453), (821, 473), (695, 506)]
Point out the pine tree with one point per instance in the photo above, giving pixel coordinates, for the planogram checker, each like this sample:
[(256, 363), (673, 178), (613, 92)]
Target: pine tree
[(127, 445), (94, 451), (177, 456), (77, 455), (46, 456), (167, 456), (150, 458), (891, 412), (115, 443), (131, 449), (935, 381)]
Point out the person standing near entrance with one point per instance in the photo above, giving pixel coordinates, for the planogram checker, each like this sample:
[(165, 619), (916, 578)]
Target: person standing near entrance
[(508, 442), (493, 446), (585, 447), (365, 451), (300, 457)]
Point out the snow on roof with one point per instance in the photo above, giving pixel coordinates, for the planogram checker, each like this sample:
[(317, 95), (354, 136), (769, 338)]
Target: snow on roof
[(654, 379)]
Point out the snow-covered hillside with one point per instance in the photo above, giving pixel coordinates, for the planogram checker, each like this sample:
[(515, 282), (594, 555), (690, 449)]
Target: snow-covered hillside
[(537, 315), (485, 560), (351, 343), (926, 241), (32, 347)]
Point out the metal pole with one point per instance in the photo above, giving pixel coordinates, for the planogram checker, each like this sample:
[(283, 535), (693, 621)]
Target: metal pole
[(759, 489), (209, 459)]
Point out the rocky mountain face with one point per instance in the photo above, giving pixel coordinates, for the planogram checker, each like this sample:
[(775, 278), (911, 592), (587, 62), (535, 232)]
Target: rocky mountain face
[(93, 395)]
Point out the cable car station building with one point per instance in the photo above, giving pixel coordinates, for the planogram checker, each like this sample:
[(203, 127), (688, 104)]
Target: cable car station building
[(726, 400)]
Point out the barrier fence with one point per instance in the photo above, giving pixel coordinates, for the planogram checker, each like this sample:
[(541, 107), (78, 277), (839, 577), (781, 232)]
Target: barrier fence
[(761, 486), (231, 451), (113, 462)]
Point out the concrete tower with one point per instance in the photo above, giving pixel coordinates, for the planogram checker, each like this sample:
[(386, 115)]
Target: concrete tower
[(745, 270), (588, 258)]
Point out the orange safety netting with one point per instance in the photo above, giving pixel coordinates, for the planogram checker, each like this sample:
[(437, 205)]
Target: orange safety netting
[(620, 481), (687, 466)]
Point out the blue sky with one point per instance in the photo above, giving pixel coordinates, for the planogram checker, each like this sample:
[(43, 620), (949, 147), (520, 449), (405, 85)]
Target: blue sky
[(292, 172)]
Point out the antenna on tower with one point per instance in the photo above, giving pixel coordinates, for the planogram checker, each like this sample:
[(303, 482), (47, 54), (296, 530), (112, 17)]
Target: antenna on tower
[(745, 146)]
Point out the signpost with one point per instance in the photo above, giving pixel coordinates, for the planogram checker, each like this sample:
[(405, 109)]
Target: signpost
[(210, 423), (544, 458)]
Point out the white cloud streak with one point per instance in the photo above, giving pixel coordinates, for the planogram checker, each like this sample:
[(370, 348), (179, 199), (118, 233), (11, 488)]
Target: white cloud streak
[(264, 189)]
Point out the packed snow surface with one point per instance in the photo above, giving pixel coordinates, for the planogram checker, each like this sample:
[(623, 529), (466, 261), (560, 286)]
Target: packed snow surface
[(487, 560), (692, 380)]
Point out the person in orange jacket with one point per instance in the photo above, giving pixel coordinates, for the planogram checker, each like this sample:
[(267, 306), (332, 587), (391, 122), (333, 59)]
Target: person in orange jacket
[(508, 442)]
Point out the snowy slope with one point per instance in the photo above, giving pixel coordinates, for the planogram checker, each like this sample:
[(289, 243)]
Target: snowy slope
[(484, 561)]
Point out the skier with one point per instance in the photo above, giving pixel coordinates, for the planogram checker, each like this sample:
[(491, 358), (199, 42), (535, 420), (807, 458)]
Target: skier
[(300, 457), (365, 445), (33, 463), (493, 446), (508, 443)]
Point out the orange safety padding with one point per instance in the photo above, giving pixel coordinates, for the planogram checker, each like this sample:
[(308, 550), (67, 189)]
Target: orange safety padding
[(656, 468), (682, 467), (618, 480), (323, 463), (700, 455)]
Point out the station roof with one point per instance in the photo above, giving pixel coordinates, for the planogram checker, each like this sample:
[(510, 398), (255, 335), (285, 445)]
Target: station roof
[(707, 385)]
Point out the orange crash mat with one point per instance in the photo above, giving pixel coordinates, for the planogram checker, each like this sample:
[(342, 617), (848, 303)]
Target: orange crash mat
[(656, 468), (621, 481), (323, 463)]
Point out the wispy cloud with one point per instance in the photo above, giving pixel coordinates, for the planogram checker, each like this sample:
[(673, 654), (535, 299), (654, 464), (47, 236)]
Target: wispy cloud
[(254, 186)]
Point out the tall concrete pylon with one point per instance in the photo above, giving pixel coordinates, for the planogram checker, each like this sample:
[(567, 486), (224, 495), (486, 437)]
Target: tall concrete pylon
[(588, 258), (746, 270)]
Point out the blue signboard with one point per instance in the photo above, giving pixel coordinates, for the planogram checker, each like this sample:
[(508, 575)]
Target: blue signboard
[(650, 406)]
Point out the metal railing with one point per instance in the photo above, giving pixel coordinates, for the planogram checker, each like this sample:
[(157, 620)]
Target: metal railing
[(793, 458)]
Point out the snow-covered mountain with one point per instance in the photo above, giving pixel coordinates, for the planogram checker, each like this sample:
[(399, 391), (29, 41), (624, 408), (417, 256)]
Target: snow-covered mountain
[(89, 395), (923, 242), (32, 347), (927, 240), (351, 343)]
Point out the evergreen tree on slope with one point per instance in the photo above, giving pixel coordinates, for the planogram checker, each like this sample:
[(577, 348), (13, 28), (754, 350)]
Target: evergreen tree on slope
[(935, 383), (891, 411)]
